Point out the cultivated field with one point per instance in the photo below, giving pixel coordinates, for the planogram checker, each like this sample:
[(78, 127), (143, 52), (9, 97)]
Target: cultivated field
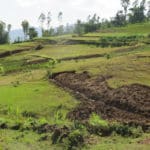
[(69, 92)]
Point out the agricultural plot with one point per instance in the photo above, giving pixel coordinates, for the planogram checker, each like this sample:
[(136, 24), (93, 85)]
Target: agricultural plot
[(77, 95)]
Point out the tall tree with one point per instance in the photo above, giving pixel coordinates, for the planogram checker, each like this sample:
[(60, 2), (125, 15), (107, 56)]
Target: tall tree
[(137, 12), (125, 4), (25, 27), (3, 33), (60, 15), (79, 29), (60, 29), (119, 19), (49, 19), (148, 12), (42, 19), (9, 29), (32, 33)]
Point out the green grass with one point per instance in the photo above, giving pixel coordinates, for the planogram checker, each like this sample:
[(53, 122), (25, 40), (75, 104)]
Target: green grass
[(62, 51), (118, 143), (28, 140), (123, 71), (10, 47), (26, 88), (40, 97), (131, 29)]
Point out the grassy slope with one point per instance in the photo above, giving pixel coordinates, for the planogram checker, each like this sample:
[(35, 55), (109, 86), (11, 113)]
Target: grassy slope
[(133, 29), (37, 95)]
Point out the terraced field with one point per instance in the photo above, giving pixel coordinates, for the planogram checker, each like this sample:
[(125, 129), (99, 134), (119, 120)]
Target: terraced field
[(74, 93)]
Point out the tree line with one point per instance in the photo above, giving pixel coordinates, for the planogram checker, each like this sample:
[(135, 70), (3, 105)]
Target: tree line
[(4, 32), (137, 12)]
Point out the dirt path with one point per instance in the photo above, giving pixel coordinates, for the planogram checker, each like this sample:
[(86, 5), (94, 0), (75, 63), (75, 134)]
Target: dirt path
[(127, 104)]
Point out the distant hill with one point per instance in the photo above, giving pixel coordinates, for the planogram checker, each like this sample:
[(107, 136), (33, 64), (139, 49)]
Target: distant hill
[(18, 33)]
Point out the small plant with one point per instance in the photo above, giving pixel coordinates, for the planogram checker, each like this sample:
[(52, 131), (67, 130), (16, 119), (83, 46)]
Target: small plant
[(42, 121), (136, 132), (29, 114), (51, 65), (125, 130), (95, 120), (2, 71), (58, 116), (15, 83), (15, 125), (3, 123), (78, 125), (108, 56), (75, 139), (30, 124), (98, 126)]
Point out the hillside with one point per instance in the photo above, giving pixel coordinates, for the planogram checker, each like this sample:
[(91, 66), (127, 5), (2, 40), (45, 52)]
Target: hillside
[(86, 92)]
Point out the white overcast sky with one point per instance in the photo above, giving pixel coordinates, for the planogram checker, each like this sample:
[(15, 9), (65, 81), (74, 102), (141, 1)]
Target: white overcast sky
[(14, 11)]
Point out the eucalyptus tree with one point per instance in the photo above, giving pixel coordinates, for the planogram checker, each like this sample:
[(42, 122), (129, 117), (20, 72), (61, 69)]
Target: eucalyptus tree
[(79, 28), (42, 19), (148, 12), (25, 27), (60, 29), (137, 12), (32, 33), (9, 29), (60, 15), (125, 4), (49, 19), (3, 33)]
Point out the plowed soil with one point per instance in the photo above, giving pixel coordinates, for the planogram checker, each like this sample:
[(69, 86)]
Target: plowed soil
[(9, 53), (127, 104)]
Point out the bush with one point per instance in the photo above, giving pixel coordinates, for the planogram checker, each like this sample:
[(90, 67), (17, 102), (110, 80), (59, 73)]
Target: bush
[(39, 47), (30, 124), (95, 120), (98, 126), (119, 41), (125, 130), (29, 114), (75, 139), (3, 123), (2, 70)]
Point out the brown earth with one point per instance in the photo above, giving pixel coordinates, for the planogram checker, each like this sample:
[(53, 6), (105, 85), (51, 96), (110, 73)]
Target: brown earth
[(143, 56), (16, 51), (127, 104), (146, 141), (43, 60)]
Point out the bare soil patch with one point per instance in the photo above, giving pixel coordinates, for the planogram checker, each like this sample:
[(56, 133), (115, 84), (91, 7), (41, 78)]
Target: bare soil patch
[(127, 104), (16, 51), (43, 60)]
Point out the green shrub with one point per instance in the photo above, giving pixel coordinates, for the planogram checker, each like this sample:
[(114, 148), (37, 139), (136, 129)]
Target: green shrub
[(95, 120), (29, 114), (30, 124), (75, 139), (98, 126), (120, 41), (136, 132), (2, 70), (3, 123), (78, 125), (125, 130), (15, 83)]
